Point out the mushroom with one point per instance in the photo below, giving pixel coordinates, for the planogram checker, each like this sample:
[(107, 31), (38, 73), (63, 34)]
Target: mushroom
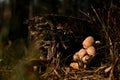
[(97, 42), (35, 68), (86, 59), (85, 54), (74, 65), (91, 51), (78, 55), (88, 42)]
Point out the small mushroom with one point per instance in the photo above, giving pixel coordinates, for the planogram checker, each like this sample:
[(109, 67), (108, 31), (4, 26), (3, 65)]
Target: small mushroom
[(35, 68), (78, 55), (86, 59), (97, 42), (91, 51), (74, 65), (88, 42)]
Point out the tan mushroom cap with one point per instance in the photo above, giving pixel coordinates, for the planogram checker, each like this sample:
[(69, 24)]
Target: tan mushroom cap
[(78, 55), (88, 42), (86, 59), (35, 68), (74, 65), (91, 51)]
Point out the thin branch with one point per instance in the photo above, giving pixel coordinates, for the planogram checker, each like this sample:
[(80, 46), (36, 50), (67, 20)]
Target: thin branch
[(111, 76), (97, 15)]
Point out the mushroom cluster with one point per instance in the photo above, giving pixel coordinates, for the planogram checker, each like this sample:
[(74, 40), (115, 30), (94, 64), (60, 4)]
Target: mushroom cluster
[(84, 55)]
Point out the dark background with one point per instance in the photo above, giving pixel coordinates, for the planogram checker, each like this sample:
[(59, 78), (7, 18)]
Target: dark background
[(14, 13)]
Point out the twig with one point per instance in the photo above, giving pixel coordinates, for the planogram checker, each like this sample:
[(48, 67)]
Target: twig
[(100, 68), (97, 15), (111, 76), (84, 13), (108, 69), (57, 74)]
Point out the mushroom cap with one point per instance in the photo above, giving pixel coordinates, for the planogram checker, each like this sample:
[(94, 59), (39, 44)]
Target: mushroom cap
[(35, 68), (78, 55), (74, 65), (88, 42), (97, 42), (86, 59), (91, 51)]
